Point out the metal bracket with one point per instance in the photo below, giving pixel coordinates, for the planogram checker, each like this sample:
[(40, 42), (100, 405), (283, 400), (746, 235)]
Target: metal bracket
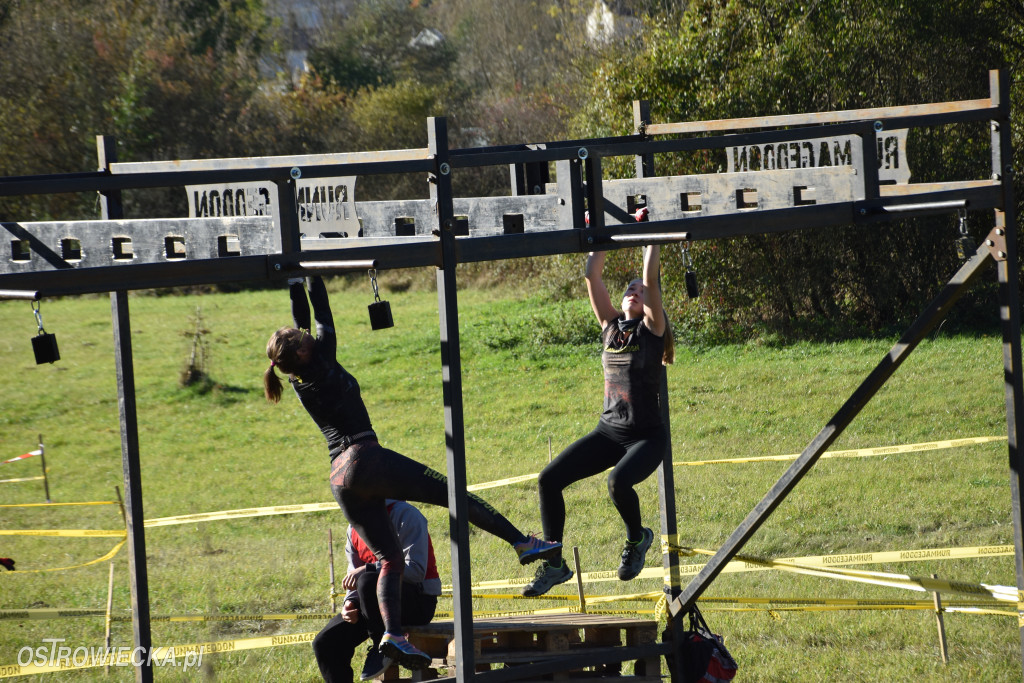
[(996, 243)]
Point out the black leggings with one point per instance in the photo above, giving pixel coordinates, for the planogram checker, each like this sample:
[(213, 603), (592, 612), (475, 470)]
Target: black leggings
[(633, 456), (336, 642), (363, 477)]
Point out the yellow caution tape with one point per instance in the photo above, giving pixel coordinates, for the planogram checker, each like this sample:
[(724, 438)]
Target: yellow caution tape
[(244, 512), (104, 558), (502, 482), (233, 617), (745, 564), (857, 452), (44, 613), (66, 533), (11, 481), (999, 593), (39, 505)]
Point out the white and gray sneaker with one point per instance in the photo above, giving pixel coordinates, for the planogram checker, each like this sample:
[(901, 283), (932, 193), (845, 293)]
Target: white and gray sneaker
[(634, 555), (547, 576)]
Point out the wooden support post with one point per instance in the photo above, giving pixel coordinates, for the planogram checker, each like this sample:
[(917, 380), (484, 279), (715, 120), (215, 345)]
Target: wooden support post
[(120, 505), (46, 481), (942, 626), (579, 578), (330, 569), (110, 605)]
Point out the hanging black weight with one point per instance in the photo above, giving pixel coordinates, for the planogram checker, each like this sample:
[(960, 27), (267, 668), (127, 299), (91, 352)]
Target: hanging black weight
[(44, 345), (380, 311), (380, 315), (692, 290)]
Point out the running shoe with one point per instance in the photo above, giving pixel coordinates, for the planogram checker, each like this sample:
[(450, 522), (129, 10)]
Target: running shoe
[(533, 549), (399, 649), (376, 664), (546, 577), (633, 555)]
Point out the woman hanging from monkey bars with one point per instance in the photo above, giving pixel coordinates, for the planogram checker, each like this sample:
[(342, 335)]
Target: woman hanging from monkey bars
[(630, 437), (363, 473)]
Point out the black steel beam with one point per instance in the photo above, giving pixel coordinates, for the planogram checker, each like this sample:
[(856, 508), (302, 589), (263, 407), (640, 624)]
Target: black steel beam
[(451, 378), (132, 471), (1009, 314)]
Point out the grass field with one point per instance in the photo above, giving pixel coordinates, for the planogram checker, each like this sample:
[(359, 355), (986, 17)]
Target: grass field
[(531, 377)]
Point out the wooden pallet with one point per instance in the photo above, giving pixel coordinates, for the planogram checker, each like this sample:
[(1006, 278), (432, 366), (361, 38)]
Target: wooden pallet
[(537, 638)]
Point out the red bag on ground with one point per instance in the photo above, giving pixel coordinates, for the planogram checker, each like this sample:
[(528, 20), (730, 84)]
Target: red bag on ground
[(702, 654)]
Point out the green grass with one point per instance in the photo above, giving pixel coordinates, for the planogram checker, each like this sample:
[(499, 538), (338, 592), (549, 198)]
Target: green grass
[(531, 374)]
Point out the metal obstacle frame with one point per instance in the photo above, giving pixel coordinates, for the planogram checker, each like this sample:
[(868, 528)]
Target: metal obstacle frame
[(155, 253)]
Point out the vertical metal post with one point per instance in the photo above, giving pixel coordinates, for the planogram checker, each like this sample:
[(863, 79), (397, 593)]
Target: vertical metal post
[(287, 216), (595, 190), (111, 207), (131, 466), (1008, 269), (451, 377), (869, 149), (666, 473)]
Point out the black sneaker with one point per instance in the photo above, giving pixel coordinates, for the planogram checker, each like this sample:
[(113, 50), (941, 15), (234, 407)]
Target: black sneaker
[(375, 666), (633, 556), (546, 577)]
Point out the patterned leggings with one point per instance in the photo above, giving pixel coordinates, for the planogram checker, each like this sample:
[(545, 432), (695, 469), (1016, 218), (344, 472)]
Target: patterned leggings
[(363, 477)]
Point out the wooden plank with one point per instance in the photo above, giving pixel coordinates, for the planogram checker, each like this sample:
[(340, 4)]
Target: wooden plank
[(819, 118)]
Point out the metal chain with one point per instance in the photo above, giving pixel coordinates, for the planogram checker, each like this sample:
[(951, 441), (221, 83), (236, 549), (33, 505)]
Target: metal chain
[(373, 282), (39, 316)]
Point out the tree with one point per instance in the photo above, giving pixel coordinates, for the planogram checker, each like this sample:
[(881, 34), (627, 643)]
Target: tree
[(729, 59), (168, 79)]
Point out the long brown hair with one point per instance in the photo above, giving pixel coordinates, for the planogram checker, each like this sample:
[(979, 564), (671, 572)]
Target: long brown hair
[(668, 356), (282, 351)]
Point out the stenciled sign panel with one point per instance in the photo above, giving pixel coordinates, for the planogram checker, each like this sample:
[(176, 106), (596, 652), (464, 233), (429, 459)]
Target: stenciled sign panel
[(842, 150), (326, 205)]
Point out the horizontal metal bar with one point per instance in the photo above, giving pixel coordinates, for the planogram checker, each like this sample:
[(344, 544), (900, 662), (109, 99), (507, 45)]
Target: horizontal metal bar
[(653, 238), (929, 206), (18, 294), (338, 265)]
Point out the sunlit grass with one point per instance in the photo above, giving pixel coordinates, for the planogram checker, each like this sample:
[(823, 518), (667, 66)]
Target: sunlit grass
[(530, 379)]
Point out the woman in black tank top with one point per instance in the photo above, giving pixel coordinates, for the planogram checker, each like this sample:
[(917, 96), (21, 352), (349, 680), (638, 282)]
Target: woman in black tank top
[(363, 473), (630, 437)]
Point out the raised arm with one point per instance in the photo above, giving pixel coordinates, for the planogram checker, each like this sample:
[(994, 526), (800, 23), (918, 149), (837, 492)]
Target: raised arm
[(600, 300), (300, 307), (654, 312)]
